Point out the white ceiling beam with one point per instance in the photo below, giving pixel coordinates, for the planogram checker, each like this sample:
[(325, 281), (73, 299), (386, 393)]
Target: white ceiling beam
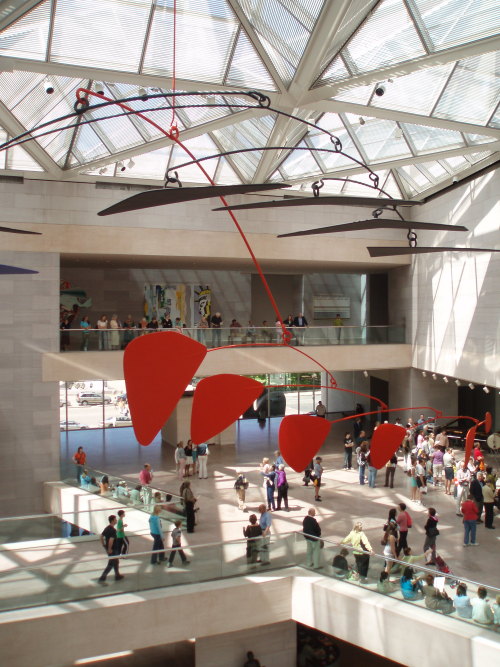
[(254, 38), (190, 133), (336, 106), (399, 162), (13, 128), (115, 76), (476, 48), (14, 10), (280, 136)]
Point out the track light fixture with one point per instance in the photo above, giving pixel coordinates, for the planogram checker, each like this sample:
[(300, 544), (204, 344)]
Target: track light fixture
[(366, 374), (458, 383), (103, 170), (143, 93), (130, 164), (48, 86), (486, 390), (424, 374), (362, 121), (434, 376), (120, 166), (99, 87), (379, 90), (445, 379), (471, 386)]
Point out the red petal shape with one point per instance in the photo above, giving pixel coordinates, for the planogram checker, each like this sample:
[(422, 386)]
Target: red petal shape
[(488, 422), (469, 444), (385, 441), (300, 438), (157, 368), (218, 401)]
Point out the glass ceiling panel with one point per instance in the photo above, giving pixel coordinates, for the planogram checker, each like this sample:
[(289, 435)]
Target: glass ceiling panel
[(495, 121), (456, 163), (150, 165), (202, 146), (331, 161), (225, 174), (27, 37), (409, 185), (426, 139), (452, 22), (421, 181), (88, 146), (211, 26), (336, 71), (37, 106), (436, 171), (114, 40), (300, 163), (392, 188), (478, 139), (358, 95), (377, 45), (405, 92), (364, 190), (18, 158), (379, 138), (3, 154), (247, 68), (117, 133), (14, 86), (473, 91), (473, 158), (284, 28)]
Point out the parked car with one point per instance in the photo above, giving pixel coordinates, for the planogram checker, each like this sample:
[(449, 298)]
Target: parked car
[(91, 398), (71, 425), (260, 408), (112, 422)]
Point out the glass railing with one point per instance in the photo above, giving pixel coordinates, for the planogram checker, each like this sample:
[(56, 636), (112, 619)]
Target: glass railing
[(118, 339), (73, 578), (126, 492)]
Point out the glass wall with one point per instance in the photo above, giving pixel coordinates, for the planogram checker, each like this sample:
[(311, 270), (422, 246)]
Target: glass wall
[(93, 404)]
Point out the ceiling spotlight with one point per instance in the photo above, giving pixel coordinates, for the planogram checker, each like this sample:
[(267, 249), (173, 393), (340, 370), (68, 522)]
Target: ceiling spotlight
[(486, 390), (103, 170), (424, 374), (362, 121), (366, 374), (99, 87), (445, 379), (398, 133), (120, 166), (380, 90), (434, 376), (48, 86), (470, 385), (143, 93), (130, 164), (458, 383), (210, 99)]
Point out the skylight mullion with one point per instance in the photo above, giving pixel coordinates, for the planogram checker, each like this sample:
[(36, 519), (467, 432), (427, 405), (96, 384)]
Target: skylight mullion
[(315, 153), (221, 149), (493, 114), (406, 139), (399, 181), (420, 28), (231, 55), (353, 137), (146, 37), (132, 118), (51, 30), (438, 98)]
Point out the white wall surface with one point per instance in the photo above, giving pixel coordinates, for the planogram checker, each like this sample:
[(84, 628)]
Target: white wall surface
[(456, 296)]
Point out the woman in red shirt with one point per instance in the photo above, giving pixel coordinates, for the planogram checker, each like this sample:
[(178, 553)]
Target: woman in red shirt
[(79, 458)]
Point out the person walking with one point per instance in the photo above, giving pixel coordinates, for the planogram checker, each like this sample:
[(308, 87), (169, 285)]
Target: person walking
[(362, 461), (156, 530), (404, 522), (265, 523), (189, 500), (122, 541), (431, 533), (203, 453), (361, 548), (312, 533), (240, 486), (180, 460), (318, 473), (79, 459), (109, 542), (145, 478), (470, 514), (177, 545), (282, 486), (390, 469)]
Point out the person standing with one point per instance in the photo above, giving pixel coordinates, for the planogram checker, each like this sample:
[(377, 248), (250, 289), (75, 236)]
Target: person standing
[(203, 453), (240, 486), (476, 491), (339, 323), (85, 326), (301, 323), (488, 503), (362, 461), (114, 334), (216, 324), (372, 472), (177, 545), (109, 542), (390, 469), (269, 486), (252, 532), (282, 485), (145, 478), (404, 522), (470, 514), (463, 478), (180, 459), (79, 459), (188, 451), (312, 533), (102, 327), (122, 542), (361, 549), (156, 530), (189, 500), (431, 533), (449, 472), (320, 410), (265, 523), (348, 447), (318, 473)]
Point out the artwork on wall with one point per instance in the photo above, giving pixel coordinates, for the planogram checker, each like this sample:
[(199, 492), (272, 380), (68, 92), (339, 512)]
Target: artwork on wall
[(204, 302), (71, 299), (162, 299)]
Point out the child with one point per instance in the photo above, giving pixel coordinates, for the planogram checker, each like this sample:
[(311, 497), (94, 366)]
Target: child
[(176, 545)]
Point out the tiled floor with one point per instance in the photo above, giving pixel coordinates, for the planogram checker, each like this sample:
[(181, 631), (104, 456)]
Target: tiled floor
[(344, 500)]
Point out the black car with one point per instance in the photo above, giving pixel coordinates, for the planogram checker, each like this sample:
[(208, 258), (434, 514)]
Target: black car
[(262, 408)]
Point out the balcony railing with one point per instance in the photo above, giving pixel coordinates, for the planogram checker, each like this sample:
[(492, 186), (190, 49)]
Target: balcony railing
[(117, 339)]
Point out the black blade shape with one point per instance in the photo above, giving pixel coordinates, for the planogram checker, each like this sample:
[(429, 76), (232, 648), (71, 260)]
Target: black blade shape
[(9, 230), (376, 223), (381, 251), (163, 196), (336, 200), (11, 270)]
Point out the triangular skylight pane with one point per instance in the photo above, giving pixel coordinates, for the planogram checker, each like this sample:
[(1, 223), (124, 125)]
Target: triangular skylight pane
[(387, 37), (111, 37), (284, 28), (336, 71), (362, 185), (88, 146), (225, 174), (392, 188), (117, 133), (37, 107), (151, 166), (417, 176), (14, 86), (248, 134), (205, 35), (452, 22), (247, 68), (475, 139), (357, 95), (200, 147), (300, 163), (332, 161), (473, 91), (426, 139), (27, 37), (473, 158), (379, 138), (18, 158), (436, 170)]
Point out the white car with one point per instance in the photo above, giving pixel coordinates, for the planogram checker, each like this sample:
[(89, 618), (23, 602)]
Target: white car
[(71, 425), (112, 422)]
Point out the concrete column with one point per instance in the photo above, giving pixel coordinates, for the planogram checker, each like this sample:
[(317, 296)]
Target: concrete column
[(29, 407), (273, 645)]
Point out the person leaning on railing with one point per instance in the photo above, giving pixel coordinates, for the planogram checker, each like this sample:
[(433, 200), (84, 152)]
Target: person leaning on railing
[(361, 548)]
